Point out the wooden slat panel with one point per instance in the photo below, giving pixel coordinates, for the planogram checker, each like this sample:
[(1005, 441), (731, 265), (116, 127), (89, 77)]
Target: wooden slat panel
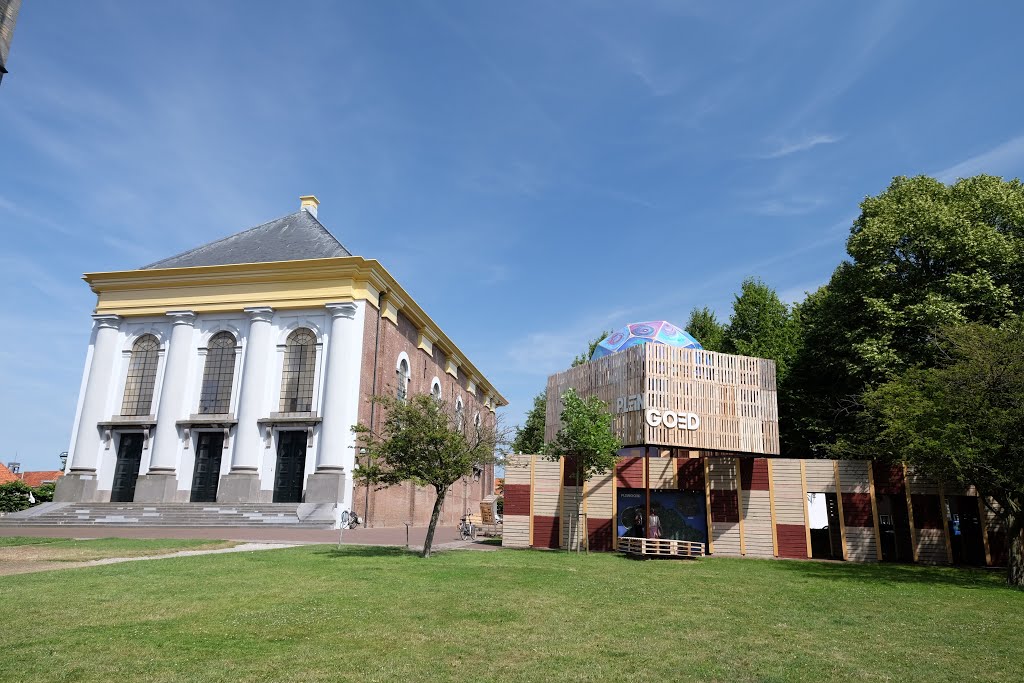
[(600, 497), (757, 523), (860, 544), (853, 476), (734, 396), (515, 531), (517, 499), (727, 539), (517, 469), (821, 476), (571, 538), (931, 546), (786, 487), (920, 484), (663, 473), (792, 541), (547, 491)]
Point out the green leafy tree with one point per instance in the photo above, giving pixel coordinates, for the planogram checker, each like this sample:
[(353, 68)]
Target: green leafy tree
[(14, 496), (423, 441), (762, 325), (923, 255), (703, 325), (960, 421), (591, 345), (530, 437), (586, 440)]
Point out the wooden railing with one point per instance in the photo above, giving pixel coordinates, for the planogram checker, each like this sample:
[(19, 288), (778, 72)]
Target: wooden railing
[(660, 547)]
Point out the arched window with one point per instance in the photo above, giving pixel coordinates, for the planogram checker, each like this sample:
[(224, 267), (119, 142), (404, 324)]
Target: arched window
[(218, 375), (138, 387), (435, 390), (297, 375), (403, 379), (460, 414)]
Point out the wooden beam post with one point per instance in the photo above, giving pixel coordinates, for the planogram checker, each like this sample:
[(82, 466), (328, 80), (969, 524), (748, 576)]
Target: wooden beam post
[(839, 508), (983, 519), (739, 503), (533, 492), (807, 514), (910, 510), (707, 496), (771, 503), (945, 524), (874, 511)]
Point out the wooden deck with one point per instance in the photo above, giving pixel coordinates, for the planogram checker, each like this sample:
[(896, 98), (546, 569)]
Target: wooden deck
[(660, 547)]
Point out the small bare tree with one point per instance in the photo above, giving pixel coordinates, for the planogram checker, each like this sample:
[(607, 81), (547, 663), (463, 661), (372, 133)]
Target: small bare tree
[(424, 440)]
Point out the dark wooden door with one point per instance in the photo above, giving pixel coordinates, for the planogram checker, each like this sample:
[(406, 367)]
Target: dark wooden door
[(126, 471), (206, 474), (291, 465)]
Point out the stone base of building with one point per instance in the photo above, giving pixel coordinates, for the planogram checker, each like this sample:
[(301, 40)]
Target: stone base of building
[(325, 487), (76, 487), (239, 487), (156, 488)]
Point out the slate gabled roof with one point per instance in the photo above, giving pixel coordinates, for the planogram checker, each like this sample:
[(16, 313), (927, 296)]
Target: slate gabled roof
[(293, 237)]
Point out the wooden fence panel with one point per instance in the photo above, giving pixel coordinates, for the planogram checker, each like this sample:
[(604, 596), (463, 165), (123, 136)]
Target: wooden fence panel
[(821, 476)]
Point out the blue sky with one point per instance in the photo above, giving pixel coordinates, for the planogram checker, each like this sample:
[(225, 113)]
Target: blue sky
[(532, 172)]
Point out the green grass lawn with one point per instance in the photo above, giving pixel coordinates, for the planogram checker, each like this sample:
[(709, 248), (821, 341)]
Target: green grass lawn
[(71, 549), (317, 613)]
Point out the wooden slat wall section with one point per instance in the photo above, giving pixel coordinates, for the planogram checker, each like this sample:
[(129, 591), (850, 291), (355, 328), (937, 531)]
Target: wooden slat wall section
[(931, 546), (722, 477), (735, 397), (853, 476), (920, 484), (998, 540), (662, 473), (571, 538), (789, 503), (609, 378), (757, 523), (515, 531), (517, 469), (860, 544), (547, 485), (821, 476), (600, 497)]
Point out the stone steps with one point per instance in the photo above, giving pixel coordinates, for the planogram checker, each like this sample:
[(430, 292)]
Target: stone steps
[(166, 514)]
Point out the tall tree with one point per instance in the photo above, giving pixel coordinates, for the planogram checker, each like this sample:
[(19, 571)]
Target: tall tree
[(530, 437), (586, 440), (923, 255), (703, 325), (960, 421), (762, 325), (424, 441)]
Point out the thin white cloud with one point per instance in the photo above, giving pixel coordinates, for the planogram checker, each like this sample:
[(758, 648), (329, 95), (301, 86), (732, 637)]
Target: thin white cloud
[(796, 206), (809, 142), (1004, 159)]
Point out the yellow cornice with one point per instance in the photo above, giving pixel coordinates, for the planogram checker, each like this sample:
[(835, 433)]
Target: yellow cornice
[(281, 285)]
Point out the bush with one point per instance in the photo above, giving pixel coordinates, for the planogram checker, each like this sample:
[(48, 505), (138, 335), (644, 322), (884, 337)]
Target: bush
[(14, 496)]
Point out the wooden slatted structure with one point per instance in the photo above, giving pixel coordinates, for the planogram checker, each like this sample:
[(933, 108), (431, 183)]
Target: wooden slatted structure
[(660, 547), (734, 397)]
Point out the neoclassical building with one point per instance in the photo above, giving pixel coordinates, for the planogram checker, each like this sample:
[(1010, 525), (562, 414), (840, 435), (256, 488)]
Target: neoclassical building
[(234, 372)]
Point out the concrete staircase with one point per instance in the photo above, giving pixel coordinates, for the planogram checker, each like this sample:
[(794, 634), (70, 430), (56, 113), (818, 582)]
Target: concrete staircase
[(303, 516)]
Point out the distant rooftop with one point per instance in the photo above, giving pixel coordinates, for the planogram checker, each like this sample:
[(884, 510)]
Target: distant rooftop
[(294, 237)]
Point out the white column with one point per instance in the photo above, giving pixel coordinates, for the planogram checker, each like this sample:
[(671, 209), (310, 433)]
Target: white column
[(166, 441), (80, 483), (160, 483), (242, 484), (340, 404)]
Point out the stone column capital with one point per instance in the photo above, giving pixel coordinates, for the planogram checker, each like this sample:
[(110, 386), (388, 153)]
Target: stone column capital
[(112, 322), (181, 317), (342, 309), (260, 314)]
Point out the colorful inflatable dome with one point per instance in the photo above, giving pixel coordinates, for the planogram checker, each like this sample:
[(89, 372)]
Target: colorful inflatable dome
[(658, 332)]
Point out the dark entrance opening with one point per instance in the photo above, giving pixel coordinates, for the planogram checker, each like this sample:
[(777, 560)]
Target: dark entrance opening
[(894, 528), (826, 535), (206, 474), (965, 535), (126, 471), (291, 465)]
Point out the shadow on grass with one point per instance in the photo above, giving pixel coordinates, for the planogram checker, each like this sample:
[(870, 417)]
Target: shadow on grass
[(961, 577), (363, 551)]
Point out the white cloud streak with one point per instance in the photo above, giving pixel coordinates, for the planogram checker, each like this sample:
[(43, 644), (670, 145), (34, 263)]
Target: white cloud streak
[(1004, 159), (793, 147)]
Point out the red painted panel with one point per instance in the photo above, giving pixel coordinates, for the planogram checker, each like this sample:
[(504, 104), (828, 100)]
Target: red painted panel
[(725, 506), (547, 531), (792, 541), (927, 511), (630, 473), (691, 474), (857, 510), (517, 499), (888, 479), (599, 533), (754, 474)]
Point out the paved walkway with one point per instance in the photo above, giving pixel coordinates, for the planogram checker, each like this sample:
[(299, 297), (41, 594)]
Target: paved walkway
[(443, 536)]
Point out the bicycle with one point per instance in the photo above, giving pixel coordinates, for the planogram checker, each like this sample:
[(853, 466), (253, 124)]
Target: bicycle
[(467, 530)]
